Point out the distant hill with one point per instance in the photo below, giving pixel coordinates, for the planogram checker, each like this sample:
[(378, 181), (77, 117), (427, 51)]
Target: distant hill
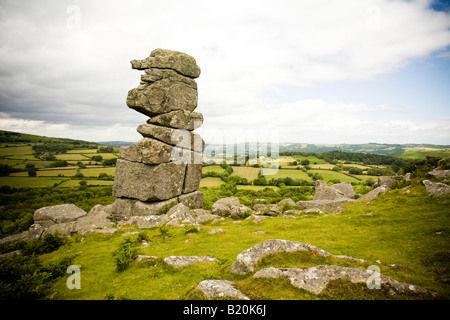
[(17, 137), (116, 143), (405, 151)]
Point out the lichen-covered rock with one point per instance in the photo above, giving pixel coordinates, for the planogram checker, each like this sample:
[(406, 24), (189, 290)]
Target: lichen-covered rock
[(148, 151), (48, 216), (169, 59), (247, 260), (220, 288), (438, 174), (192, 177), (267, 209), (324, 205), (324, 192), (176, 137), (179, 119), (388, 181), (315, 279), (346, 188), (374, 193), (193, 200), (436, 188), (148, 182), (230, 207), (164, 95)]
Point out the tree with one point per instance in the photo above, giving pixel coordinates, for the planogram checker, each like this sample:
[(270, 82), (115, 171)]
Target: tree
[(97, 158), (32, 172), (4, 170), (305, 162)]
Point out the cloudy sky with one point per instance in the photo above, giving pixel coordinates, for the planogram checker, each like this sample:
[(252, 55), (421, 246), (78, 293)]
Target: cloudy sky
[(310, 71)]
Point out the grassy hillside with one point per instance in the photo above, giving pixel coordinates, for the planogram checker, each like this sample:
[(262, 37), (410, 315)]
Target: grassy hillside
[(406, 235)]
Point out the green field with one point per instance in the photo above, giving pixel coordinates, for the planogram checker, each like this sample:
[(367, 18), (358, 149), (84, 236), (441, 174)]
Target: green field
[(211, 182), (83, 151), (256, 188), (334, 175), (31, 182), (249, 173), (216, 169), (284, 173), (71, 157), (15, 152)]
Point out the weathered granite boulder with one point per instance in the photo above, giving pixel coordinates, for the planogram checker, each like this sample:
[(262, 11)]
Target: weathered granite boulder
[(374, 193), (124, 208), (247, 260), (163, 96), (436, 188), (324, 192), (315, 279), (48, 216), (230, 207), (346, 188), (193, 200), (388, 181), (288, 201), (179, 119), (444, 163), (192, 177), (148, 182), (438, 174), (148, 151), (220, 288), (175, 137), (169, 59), (324, 205), (267, 209)]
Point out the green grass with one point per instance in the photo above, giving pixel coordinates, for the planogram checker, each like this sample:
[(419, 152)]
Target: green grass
[(411, 231)]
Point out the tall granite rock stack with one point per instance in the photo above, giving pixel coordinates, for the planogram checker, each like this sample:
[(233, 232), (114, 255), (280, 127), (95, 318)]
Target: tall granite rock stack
[(165, 166)]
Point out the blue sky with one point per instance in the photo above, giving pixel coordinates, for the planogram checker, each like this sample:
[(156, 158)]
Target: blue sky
[(312, 71)]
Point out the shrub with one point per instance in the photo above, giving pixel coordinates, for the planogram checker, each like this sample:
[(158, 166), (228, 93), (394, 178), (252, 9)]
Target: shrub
[(125, 254), (49, 243), (24, 277)]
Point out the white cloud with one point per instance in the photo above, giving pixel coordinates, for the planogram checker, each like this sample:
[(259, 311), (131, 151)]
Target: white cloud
[(81, 77)]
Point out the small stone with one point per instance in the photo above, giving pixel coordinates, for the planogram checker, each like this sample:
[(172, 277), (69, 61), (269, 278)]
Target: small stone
[(214, 231)]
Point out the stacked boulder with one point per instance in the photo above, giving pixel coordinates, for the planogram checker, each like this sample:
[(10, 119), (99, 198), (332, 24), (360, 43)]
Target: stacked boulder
[(164, 168)]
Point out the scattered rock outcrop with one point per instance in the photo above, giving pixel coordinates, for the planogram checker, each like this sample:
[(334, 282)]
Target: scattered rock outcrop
[(436, 188), (164, 168), (315, 279), (247, 260), (230, 207), (220, 288), (438, 174)]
